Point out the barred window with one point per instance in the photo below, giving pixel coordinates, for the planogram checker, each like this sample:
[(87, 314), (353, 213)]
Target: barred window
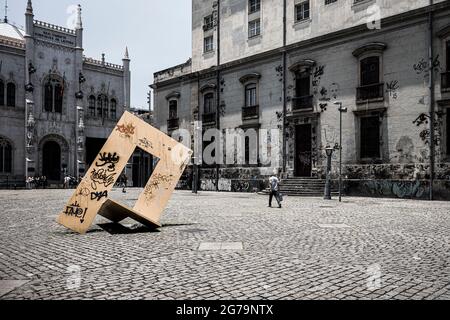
[(208, 23), (254, 6), (302, 11)]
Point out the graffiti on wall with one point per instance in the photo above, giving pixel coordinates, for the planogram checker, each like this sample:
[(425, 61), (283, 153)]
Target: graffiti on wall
[(399, 189)]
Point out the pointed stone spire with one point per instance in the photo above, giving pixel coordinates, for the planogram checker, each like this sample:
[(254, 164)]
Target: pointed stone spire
[(6, 11), (29, 7), (126, 56), (79, 21)]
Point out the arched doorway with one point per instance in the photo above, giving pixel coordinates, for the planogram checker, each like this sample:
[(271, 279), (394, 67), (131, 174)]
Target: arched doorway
[(51, 161)]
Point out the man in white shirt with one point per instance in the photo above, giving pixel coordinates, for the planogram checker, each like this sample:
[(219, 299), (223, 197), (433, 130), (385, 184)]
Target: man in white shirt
[(274, 184)]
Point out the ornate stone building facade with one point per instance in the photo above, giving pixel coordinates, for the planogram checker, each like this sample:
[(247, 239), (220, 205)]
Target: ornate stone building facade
[(57, 107), (286, 65)]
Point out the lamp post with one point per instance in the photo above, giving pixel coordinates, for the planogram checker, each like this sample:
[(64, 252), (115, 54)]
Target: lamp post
[(341, 111), (329, 151)]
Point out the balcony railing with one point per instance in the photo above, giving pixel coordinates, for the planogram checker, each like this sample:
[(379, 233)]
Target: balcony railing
[(445, 80), (209, 117), (173, 124), (250, 112), (370, 92), (300, 103)]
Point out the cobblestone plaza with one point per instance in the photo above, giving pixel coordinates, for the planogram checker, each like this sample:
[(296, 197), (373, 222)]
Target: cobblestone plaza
[(228, 246)]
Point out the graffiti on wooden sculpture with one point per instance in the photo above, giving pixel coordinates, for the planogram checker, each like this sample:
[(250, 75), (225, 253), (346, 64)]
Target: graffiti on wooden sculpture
[(92, 195)]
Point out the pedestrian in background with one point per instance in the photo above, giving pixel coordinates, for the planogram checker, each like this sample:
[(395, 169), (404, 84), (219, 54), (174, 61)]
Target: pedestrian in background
[(274, 184)]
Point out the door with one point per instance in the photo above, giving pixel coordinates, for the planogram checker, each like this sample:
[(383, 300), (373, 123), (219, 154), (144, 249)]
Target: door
[(303, 151), (51, 161)]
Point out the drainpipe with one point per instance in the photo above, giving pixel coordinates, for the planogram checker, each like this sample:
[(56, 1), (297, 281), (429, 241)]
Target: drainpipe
[(284, 58), (432, 99), (218, 90)]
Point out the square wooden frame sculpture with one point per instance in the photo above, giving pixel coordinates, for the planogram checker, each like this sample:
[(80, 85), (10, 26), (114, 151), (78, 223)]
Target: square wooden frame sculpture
[(92, 195)]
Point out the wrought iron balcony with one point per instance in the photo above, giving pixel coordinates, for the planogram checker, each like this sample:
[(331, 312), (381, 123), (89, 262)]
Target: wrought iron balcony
[(370, 92), (173, 124), (445, 81), (209, 118), (301, 103), (250, 112)]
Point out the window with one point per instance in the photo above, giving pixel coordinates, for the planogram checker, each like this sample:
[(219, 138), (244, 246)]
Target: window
[(208, 23), (303, 84), (53, 94), (329, 1), (250, 95), (302, 11), (2, 93), (447, 54), (254, 28), (208, 44), (92, 106), (11, 94), (254, 6), (208, 103), (5, 156), (59, 94), (113, 110), (370, 71), (173, 109), (102, 106), (448, 131), (370, 137)]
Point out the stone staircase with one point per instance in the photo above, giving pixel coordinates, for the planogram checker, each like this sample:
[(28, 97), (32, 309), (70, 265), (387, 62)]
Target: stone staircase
[(305, 187)]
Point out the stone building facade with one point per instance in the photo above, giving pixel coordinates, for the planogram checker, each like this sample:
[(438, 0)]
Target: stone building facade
[(287, 65), (57, 107)]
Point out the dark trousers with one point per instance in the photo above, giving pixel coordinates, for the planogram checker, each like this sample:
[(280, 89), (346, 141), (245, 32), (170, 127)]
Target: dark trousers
[(274, 194)]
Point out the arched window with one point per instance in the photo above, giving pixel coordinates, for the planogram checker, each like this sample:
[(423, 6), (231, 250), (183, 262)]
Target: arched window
[(11, 94), (113, 109), (208, 103), (102, 106), (173, 109), (48, 97), (5, 156), (53, 94), (59, 94), (92, 106), (2, 93)]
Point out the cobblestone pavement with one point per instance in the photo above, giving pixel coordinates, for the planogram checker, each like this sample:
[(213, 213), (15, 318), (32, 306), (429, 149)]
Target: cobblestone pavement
[(228, 246)]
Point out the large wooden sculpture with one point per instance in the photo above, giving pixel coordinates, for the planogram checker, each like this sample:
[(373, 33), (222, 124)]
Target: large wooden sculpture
[(91, 197)]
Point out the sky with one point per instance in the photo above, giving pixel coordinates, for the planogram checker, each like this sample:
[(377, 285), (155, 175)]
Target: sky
[(157, 32)]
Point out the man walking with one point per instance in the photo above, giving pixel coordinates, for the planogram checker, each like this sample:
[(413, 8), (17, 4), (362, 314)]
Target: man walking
[(274, 183)]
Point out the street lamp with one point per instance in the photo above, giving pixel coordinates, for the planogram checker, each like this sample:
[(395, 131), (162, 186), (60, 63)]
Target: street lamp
[(329, 151), (341, 111)]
